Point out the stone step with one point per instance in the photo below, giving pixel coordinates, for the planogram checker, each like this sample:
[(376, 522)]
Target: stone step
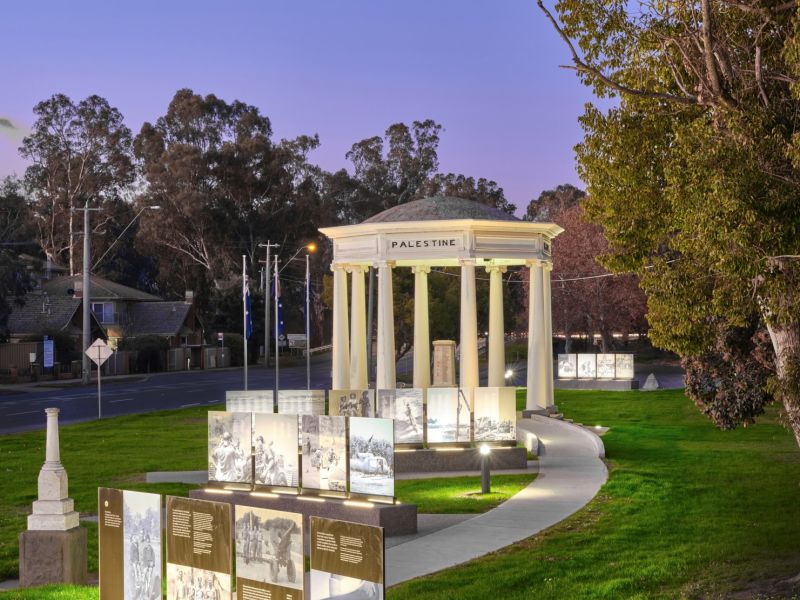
[(558, 416)]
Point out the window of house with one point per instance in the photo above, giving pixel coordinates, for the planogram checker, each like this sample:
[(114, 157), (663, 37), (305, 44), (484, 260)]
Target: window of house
[(184, 340), (103, 311)]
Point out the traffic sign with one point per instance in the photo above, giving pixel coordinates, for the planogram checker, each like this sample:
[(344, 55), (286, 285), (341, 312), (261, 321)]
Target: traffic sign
[(99, 352)]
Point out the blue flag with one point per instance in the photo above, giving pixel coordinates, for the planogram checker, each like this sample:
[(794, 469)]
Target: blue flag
[(279, 315), (248, 312)]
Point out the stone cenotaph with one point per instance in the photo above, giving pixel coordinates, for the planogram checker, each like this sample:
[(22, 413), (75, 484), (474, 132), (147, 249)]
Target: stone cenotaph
[(53, 548), (444, 363)]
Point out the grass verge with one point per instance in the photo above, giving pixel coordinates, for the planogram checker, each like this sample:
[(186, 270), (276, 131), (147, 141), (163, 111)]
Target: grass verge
[(459, 495)]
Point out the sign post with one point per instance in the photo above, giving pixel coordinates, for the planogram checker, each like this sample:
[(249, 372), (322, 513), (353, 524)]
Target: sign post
[(99, 352)]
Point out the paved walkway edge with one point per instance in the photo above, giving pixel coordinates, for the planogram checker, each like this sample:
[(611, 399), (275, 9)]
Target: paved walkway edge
[(571, 472)]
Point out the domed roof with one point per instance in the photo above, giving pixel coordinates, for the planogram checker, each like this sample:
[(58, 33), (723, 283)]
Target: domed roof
[(438, 208)]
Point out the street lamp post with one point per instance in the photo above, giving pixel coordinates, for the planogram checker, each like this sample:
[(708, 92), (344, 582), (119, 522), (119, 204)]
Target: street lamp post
[(485, 483)]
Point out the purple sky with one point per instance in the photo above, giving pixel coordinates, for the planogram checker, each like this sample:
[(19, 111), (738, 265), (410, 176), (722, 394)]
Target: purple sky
[(345, 69)]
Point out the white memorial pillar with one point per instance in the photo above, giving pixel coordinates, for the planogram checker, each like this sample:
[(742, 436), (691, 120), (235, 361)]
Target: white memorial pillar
[(422, 341), (537, 332), (358, 331), (340, 373), (497, 358), (385, 377), (548, 320), (468, 363)]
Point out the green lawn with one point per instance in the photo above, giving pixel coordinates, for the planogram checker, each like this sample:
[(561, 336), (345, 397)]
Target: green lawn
[(459, 494), (688, 511)]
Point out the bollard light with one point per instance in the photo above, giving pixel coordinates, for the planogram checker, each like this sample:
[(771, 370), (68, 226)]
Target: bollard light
[(485, 451)]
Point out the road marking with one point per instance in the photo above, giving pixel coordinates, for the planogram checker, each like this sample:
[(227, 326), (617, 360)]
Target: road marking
[(121, 400), (30, 412), (188, 405)]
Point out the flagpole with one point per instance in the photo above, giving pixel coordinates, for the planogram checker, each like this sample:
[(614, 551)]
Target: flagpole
[(244, 315), (277, 327)]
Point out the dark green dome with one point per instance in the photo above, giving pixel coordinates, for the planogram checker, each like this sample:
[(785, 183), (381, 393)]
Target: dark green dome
[(439, 208)]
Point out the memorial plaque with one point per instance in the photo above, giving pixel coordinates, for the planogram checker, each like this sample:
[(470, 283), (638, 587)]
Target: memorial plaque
[(624, 367), (269, 554), (301, 402), (587, 366), (448, 416), (405, 406), (606, 364), (567, 366), (199, 562), (444, 363), (252, 401), (230, 437), (495, 414), (275, 455), (347, 560), (372, 456), (129, 537), (351, 403), (324, 452)]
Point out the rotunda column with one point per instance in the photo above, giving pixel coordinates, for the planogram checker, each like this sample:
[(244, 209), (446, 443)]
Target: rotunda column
[(537, 332), (468, 363), (548, 320), (497, 358), (358, 330), (422, 342), (385, 377), (340, 372)]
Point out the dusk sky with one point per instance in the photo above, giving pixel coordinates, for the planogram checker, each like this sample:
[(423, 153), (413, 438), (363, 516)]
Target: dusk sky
[(345, 69)]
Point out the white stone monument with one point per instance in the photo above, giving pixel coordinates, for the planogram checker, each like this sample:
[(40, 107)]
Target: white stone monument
[(53, 549), (444, 363)]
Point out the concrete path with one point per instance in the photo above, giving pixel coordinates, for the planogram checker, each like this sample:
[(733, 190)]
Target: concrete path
[(570, 474)]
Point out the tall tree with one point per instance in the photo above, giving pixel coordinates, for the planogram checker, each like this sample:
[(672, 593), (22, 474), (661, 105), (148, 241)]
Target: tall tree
[(694, 173), (78, 151), (552, 203), (481, 190), (16, 229)]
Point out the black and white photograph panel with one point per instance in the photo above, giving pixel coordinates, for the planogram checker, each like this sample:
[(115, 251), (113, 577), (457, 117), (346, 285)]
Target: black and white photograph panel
[(606, 366), (301, 402), (448, 416), (495, 414), (624, 367), (254, 401), (372, 456), (324, 452), (567, 366), (329, 586), (275, 450), (229, 452), (405, 406), (269, 546), (142, 545), (351, 403), (188, 583), (587, 366)]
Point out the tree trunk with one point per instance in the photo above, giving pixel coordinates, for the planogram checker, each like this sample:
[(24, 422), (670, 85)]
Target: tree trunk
[(786, 343)]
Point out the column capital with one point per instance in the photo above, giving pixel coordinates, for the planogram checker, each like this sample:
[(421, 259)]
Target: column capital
[(357, 268), (534, 262), (491, 268), (340, 267), (382, 264), (548, 265), (467, 262), (421, 269)]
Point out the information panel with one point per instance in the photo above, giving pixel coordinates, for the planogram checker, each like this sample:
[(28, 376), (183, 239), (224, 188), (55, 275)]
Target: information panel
[(587, 366), (269, 554), (624, 366), (372, 456), (301, 402), (275, 443), (605, 366), (567, 366), (495, 414), (448, 416), (199, 560), (129, 536), (351, 403), (405, 406), (230, 435), (347, 560), (254, 401), (324, 452)]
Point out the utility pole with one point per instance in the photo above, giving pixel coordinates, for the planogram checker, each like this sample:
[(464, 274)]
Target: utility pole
[(268, 245), (86, 296)]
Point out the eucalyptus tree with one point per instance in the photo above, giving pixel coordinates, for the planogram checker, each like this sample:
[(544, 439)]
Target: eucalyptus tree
[(694, 172)]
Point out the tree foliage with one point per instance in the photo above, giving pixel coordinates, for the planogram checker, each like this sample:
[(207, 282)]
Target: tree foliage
[(693, 173), (15, 229)]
